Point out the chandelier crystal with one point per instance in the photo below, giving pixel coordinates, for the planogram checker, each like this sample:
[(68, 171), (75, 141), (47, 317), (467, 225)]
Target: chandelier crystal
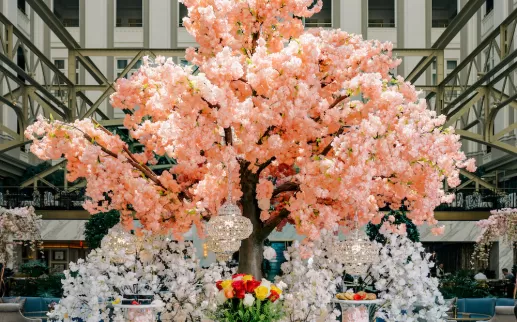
[(358, 253), (227, 229)]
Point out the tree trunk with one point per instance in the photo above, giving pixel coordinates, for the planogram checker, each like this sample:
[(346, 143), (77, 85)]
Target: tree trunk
[(251, 256), (251, 250)]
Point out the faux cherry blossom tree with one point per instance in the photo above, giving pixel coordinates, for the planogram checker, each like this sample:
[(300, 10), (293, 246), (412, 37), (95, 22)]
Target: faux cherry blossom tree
[(311, 123), (17, 225), (501, 224)]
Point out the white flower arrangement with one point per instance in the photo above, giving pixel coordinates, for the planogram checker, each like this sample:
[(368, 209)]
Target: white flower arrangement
[(312, 283), (148, 265), (402, 275)]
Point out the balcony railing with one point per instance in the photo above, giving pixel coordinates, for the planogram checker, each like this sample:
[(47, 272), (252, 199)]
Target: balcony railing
[(46, 198), (42, 198)]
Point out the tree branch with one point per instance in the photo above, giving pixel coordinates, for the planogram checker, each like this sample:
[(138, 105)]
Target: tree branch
[(284, 187), (327, 149), (266, 133), (265, 165), (338, 100), (228, 137), (131, 159), (271, 224)]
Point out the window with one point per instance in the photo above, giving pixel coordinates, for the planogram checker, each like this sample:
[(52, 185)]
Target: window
[(60, 63), (67, 11), (183, 13), (381, 13), (129, 13), (122, 63), (489, 6), (20, 61), (451, 65), (444, 12), (322, 18), (22, 5)]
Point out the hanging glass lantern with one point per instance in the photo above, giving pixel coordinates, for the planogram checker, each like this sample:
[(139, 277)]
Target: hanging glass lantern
[(221, 254), (358, 252), (228, 229)]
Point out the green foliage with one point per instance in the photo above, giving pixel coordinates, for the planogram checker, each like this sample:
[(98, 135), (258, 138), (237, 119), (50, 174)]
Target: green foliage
[(400, 218), (261, 311), (98, 225), (44, 286), (51, 286), (463, 285), (34, 268)]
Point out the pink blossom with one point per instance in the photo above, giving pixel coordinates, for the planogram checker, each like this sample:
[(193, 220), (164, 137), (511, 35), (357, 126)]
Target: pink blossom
[(288, 99)]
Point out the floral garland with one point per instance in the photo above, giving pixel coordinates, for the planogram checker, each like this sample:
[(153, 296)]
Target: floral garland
[(149, 264), (16, 225), (402, 275), (502, 223)]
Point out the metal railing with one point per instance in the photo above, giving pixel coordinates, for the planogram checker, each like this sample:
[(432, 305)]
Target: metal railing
[(483, 199), (42, 198), (47, 198)]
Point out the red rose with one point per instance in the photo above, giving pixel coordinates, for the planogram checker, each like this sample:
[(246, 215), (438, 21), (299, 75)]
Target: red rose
[(234, 276), (135, 303), (218, 285), (273, 296), (252, 285), (239, 288)]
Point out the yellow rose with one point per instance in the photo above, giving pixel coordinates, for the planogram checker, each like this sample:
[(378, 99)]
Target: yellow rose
[(117, 301), (226, 283), (261, 292), (276, 289), (246, 278)]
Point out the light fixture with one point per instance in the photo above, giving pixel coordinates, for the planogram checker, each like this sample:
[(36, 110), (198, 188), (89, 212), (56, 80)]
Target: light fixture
[(226, 230), (357, 252)]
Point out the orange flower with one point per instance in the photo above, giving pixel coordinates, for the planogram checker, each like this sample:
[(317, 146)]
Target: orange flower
[(228, 292)]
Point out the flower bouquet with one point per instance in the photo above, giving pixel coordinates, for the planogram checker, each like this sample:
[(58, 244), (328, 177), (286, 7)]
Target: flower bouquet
[(244, 299)]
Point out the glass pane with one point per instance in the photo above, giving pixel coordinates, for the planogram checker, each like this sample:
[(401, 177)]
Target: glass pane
[(434, 79), (138, 64), (452, 64), (121, 63), (22, 5), (60, 63), (322, 18), (67, 11), (129, 13), (444, 12), (381, 13), (183, 13)]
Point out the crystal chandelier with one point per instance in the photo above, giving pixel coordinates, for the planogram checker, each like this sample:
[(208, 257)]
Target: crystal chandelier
[(227, 229), (357, 252)]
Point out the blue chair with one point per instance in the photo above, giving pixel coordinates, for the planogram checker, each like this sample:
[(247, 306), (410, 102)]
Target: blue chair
[(479, 305)]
